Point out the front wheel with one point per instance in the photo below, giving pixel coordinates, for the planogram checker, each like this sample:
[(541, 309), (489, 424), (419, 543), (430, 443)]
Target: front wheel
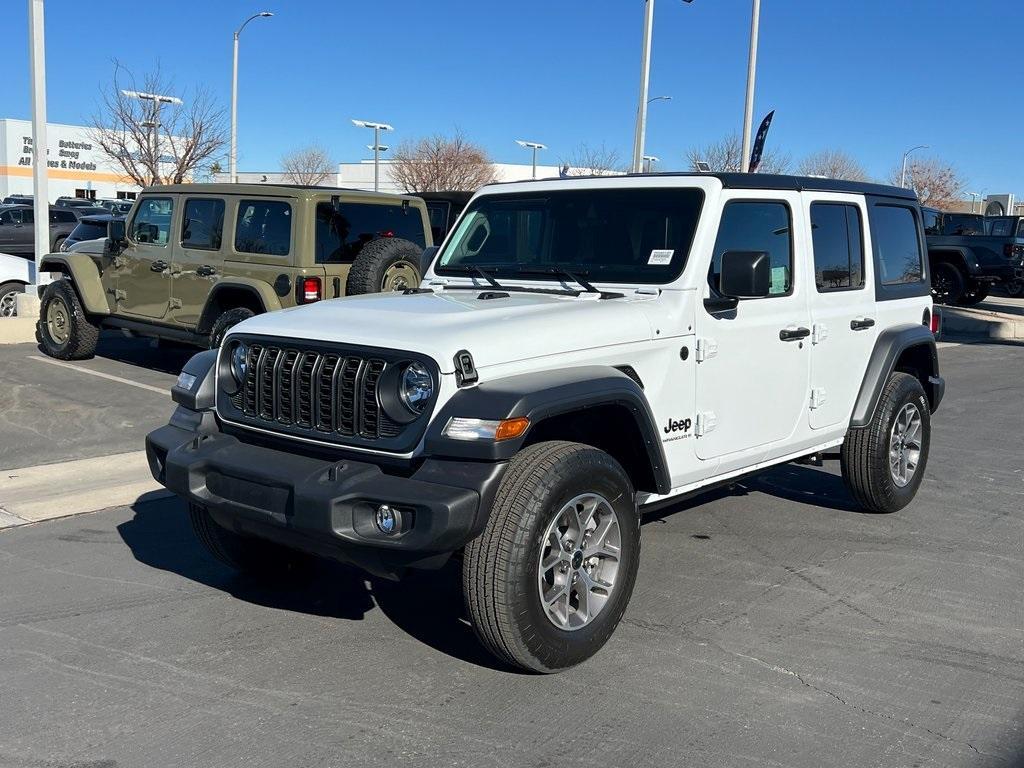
[(883, 463), (63, 330), (551, 575), (1014, 288), (947, 283)]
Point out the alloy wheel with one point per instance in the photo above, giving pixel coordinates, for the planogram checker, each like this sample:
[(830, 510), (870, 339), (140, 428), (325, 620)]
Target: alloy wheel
[(905, 445)]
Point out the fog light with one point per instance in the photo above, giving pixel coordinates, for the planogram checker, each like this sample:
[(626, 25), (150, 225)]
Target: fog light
[(388, 519)]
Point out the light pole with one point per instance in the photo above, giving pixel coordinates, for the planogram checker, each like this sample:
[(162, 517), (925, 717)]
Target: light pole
[(377, 128), (153, 124), (234, 96), (645, 77), (974, 200), (534, 146), (649, 161), (748, 106), (903, 173), (37, 68)]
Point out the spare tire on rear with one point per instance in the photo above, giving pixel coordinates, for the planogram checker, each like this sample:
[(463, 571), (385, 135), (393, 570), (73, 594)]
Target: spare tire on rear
[(385, 264)]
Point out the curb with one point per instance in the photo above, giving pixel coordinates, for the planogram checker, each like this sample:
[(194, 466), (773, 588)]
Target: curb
[(17, 330), (981, 324)]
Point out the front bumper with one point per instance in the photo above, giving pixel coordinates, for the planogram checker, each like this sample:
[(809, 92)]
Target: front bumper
[(1005, 273), (326, 507)]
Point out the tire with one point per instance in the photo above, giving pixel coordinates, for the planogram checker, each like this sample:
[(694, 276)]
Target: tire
[(1014, 288), (865, 455), (385, 264), (975, 293), (9, 298), (63, 330), (947, 283), (501, 576), (243, 553), (57, 244), (226, 322)]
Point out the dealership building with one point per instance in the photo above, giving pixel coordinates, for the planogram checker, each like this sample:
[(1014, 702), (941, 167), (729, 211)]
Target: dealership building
[(77, 167)]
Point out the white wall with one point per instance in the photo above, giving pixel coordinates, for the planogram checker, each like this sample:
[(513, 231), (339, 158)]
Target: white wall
[(73, 159)]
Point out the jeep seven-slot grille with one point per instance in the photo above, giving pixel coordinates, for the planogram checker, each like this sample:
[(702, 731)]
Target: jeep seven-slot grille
[(325, 393)]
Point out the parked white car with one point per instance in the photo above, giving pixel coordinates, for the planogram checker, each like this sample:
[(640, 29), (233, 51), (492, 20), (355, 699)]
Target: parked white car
[(578, 349), (15, 273)]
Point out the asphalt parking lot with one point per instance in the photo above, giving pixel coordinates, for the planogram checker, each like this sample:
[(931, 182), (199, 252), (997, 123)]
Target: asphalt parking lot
[(772, 624)]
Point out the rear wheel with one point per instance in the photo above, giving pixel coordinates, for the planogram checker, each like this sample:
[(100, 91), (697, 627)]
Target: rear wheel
[(9, 298), (63, 330), (228, 320), (386, 264), (549, 578), (975, 293), (1014, 288), (243, 553), (947, 283), (883, 463)]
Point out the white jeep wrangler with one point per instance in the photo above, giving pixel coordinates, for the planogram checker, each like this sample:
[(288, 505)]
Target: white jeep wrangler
[(578, 349)]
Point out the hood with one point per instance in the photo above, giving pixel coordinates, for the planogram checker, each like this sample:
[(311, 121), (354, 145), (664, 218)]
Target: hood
[(495, 331)]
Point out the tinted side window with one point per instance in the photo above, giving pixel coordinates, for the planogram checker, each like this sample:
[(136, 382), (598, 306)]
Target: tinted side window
[(89, 230), (757, 226), (342, 233), (1002, 228), (897, 248), (1020, 228), (838, 247), (932, 221), (263, 226), (203, 225), (438, 213), (152, 222)]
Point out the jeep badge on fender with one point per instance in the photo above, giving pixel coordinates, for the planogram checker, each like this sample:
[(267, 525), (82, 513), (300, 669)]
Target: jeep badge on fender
[(520, 407)]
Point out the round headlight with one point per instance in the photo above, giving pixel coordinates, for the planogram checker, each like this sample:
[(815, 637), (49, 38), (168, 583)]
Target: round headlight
[(239, 362), (415, 387)]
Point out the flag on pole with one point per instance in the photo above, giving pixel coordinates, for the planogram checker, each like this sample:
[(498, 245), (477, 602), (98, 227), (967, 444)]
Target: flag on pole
[(762, 134)]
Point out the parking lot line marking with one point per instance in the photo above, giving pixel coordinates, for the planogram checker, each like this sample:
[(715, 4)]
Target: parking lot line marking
[(102, 375)]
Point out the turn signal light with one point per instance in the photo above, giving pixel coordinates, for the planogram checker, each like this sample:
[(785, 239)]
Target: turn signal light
[(511, 428), (309, 290)]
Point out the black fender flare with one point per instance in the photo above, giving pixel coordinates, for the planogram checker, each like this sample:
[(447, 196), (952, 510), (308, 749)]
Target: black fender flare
[(889, 346), (958, 255), (539, 396), (261, 292)]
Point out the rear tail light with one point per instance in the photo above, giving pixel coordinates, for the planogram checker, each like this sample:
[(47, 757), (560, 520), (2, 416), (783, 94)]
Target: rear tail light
[(1010, 250), (934, 323), (308, 290)]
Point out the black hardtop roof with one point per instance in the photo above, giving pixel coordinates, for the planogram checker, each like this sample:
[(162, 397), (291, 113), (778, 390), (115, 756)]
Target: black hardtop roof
[(450, 195), (767, 181)]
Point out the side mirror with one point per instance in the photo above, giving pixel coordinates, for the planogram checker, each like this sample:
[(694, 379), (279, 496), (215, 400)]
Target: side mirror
[(116, 235), (745, 274), (426, 258)]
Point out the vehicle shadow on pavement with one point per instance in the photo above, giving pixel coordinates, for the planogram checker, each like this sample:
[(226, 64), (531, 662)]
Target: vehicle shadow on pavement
[(163, 356), (426, 605)]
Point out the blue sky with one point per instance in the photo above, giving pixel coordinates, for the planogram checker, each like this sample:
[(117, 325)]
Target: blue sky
[(872, 77)]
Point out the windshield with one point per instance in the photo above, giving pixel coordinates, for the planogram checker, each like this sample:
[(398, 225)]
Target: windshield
[(610, 235)]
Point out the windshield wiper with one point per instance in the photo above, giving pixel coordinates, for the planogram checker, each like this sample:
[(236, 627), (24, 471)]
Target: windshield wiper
[(576, 277), (488, 277)]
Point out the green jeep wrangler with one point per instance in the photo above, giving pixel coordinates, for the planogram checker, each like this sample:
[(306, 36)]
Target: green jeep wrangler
[(169, 272)]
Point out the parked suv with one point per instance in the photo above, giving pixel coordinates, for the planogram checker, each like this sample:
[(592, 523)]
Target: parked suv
[(579, 349), (18, 232), (971, 253), (192, 260)]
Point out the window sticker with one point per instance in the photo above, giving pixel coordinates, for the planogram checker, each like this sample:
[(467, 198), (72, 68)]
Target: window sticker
[(660, 257)]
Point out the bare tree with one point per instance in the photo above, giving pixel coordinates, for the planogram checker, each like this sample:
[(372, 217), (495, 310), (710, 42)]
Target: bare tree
[(725, 155), (937, 183), (157, 143), (308, 166), (593, 161), (832, 164), (440, 163)]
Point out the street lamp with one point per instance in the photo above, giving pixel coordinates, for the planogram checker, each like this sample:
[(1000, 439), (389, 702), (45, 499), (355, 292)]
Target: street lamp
[(649, 161), (234, 96), (645, 77), (974, 200), (377, 148), (903, 173), (534, 146), (748, 106), (153, 124)]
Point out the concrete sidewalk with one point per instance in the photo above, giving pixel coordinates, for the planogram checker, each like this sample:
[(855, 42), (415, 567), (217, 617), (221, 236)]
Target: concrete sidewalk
[(997, 318), (48, 491)]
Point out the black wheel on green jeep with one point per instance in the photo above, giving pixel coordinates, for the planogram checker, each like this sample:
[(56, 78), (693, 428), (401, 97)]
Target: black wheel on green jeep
[(226, 322), (883, 463), (549, 578), (385, 264), (9, 298), (63, 330), (244, 553), (947, 283), (975, 293)]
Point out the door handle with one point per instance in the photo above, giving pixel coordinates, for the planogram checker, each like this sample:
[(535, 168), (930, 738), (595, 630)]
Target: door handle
[(206, 271), (158, 266), (861, 324), (794, 334)]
